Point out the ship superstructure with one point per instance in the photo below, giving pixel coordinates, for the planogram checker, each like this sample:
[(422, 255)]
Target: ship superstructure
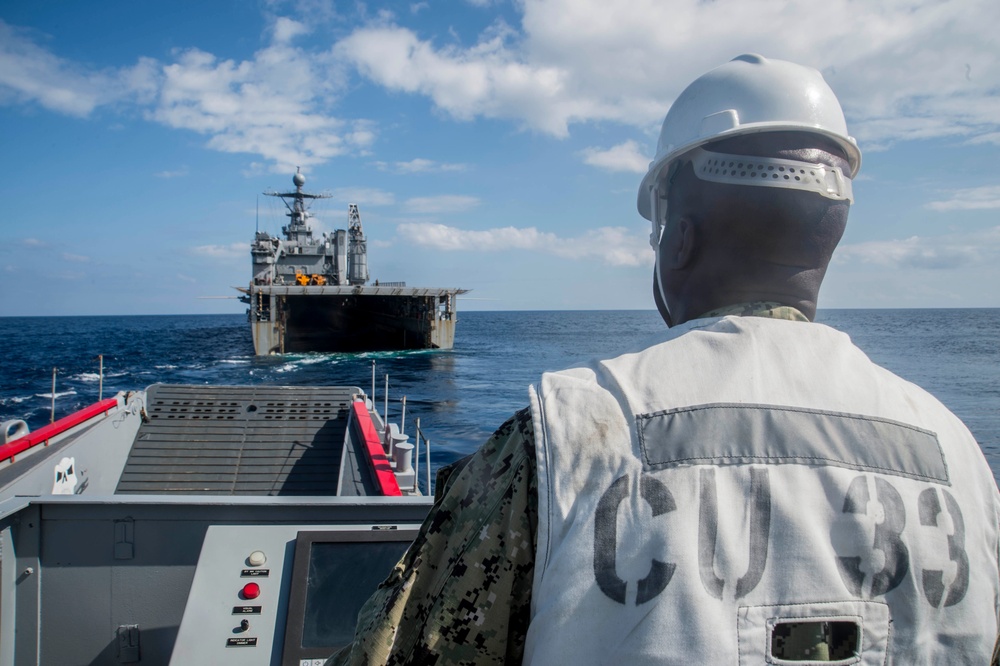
[(313, 294)]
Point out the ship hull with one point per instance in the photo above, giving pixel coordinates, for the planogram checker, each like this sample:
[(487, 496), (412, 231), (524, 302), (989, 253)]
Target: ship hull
[(351, 319)]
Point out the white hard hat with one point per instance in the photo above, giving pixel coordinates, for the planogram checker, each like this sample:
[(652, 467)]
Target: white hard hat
[(749, 94)]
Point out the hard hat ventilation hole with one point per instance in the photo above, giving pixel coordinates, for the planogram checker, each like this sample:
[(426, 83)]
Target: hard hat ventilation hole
[(825, 180)]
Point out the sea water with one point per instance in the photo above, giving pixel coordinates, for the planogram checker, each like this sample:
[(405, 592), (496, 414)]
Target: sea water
[(460, 395)]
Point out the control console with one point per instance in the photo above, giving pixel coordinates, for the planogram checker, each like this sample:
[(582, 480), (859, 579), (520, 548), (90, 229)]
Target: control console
[(282, 595)]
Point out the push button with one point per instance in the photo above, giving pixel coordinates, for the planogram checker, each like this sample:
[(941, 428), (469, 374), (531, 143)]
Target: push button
[(250, 591)]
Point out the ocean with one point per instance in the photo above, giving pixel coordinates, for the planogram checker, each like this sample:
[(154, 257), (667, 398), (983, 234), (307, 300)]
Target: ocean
[(463, 394)]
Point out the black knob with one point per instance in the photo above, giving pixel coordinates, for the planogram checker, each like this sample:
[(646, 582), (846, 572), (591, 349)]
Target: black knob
[(244, 625)]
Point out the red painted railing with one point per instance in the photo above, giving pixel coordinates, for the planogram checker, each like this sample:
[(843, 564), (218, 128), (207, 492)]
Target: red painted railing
[(44, 434), (385, 479)]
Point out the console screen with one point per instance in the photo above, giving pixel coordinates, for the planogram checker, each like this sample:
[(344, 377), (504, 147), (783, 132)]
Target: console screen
[(341, 578), (333, 574)]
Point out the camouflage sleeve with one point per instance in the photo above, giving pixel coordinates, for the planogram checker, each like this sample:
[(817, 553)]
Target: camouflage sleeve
[(462, 592)]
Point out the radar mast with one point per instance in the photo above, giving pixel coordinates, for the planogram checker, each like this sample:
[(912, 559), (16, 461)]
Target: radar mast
[(298, 212)]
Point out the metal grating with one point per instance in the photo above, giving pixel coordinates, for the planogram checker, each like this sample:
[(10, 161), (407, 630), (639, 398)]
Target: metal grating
[(239, 440)]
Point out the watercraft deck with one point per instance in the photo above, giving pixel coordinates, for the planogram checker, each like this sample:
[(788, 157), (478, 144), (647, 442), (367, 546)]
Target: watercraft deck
[(190, 525), (248, 440)]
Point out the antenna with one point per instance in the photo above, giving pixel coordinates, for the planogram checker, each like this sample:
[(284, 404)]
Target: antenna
[(257, 221)]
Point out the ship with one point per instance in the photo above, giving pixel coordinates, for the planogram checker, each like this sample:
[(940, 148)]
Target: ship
[(312, 294), (201, 525)]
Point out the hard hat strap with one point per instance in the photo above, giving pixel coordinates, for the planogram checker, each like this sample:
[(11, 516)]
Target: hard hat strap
[(828, 181), (655, 238), (655, 218)]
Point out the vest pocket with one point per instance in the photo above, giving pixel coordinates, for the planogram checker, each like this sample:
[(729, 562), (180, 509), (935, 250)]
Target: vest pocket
[(837, 632), (816, 640)]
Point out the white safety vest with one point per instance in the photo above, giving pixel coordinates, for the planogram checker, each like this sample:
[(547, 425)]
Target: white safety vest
[(747, 473)]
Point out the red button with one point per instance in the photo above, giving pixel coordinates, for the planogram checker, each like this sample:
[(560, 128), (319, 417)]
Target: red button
[(250, 591)]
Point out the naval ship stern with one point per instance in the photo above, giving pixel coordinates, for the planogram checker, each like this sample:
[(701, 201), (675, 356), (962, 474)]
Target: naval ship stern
[(312, 293)]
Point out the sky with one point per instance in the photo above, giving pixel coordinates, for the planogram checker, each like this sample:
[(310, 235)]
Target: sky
[(491, 145)]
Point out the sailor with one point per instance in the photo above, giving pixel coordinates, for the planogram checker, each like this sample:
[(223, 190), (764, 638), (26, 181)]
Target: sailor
[(749, 489)]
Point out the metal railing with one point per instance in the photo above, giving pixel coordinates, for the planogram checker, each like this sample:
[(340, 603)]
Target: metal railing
[(100, 387), (419, 435), (416, 458)]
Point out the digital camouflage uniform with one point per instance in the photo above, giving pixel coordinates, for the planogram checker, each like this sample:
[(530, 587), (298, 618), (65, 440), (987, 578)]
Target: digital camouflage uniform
[(462, 592)]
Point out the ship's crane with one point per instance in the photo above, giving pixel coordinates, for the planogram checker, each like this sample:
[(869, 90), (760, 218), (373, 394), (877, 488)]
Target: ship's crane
[(357, 258)]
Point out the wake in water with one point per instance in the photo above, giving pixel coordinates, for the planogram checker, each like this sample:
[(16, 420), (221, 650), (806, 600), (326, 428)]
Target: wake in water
[(49, 396), (92, 377)]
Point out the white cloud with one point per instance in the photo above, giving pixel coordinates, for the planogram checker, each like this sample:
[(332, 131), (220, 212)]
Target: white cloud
[(940, 252), (273, 105), (446, 203), (31, 74), (623, 157), (613, 246), (485, 80), (442, 237), (364, 196), (49, 249), (992, 137), (269, 106), (903, 69), (974, 198), (285, 30), (420, 165), (227, 252), (177, 173), (312, 12)]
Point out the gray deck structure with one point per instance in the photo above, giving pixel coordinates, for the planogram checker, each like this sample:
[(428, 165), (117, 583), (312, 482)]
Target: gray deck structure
[(246, 440), (182, 499)]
